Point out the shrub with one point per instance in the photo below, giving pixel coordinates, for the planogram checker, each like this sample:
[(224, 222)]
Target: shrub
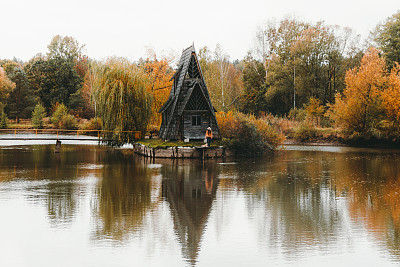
[(61, 110), (269, 133), (297, 114), (68, 122), (305, 131), (93, 124), (248, 140), (62, 120), (38, 114), (248, 135), (228, 124)]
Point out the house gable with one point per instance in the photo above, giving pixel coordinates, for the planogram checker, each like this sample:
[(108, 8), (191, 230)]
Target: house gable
[(188, 93), (197, 100)]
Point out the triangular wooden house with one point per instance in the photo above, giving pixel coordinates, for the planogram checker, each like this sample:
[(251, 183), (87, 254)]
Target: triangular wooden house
[(188, 111)]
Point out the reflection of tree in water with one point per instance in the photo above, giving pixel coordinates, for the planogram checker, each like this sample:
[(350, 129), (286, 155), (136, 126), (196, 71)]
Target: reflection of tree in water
[(302, 194), (372, 185), (123, 197), (190, 190), (292, 210), (61, 172), (50, 178)]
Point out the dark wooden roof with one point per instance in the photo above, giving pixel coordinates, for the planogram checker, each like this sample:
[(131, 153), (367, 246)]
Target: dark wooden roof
[(178, 99), (180, 75)]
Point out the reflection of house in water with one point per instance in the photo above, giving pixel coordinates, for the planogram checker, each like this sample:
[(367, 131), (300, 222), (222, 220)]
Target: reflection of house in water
[(190, 191)]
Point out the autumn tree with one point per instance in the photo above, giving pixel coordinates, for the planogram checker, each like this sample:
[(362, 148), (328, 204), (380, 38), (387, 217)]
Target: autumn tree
[(314, 110), (391, 101), (359, 109), (122, 99), (159, 73), (6, 87)]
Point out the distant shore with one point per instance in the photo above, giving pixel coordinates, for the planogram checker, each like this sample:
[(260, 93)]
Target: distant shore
[(344, 142)]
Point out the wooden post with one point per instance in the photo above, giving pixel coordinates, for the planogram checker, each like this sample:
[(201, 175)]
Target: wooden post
[(58, 146)]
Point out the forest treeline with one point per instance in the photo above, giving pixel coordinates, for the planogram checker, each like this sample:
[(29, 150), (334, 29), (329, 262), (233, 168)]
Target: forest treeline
[(313, 73)]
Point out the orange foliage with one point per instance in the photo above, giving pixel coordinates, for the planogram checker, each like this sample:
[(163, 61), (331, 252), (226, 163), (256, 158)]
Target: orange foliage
[(159, 73), (228, 123), (314, 109), (356, 109), (391, 95), (269, 133), (6, 85), (234, 126)]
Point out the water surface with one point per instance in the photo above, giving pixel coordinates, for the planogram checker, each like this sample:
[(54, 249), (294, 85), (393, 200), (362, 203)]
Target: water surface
[(94, 206)]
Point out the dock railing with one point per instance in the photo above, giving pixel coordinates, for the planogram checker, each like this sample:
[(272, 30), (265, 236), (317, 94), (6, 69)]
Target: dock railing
[(61, 134)]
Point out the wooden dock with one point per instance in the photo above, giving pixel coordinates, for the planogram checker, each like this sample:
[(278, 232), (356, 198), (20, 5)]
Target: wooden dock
[(60, 134), (182, 152)]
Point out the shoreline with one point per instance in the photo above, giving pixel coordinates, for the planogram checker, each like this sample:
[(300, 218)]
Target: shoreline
[(344, 143), (313, 143)]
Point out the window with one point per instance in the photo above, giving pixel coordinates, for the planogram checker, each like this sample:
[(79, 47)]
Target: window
[(196, 120)]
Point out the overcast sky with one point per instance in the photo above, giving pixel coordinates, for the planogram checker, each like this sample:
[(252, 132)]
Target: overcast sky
[(126, 28)]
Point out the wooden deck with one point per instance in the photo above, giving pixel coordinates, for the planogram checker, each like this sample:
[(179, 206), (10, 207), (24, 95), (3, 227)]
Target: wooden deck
[(60, 134), (182, 152)]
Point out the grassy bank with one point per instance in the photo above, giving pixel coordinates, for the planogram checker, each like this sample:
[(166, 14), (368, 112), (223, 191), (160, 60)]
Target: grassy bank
[(303, 133), (159, 143)]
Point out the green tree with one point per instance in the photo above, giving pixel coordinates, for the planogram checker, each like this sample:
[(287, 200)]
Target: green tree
[(58, 114), (304, 60), (253, 98), (38, 114), (387, 36), (122, 100), (62, 120), (55, 77), (66, 48), (20, 104)]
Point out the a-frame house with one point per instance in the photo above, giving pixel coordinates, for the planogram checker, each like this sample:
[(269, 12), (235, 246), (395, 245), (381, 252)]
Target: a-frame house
[(188, 111)]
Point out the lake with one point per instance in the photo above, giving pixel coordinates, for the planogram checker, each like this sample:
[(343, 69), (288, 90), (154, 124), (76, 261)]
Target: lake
[(95, 206)]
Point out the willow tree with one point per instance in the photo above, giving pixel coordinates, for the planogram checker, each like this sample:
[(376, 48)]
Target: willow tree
[(121, 99)]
